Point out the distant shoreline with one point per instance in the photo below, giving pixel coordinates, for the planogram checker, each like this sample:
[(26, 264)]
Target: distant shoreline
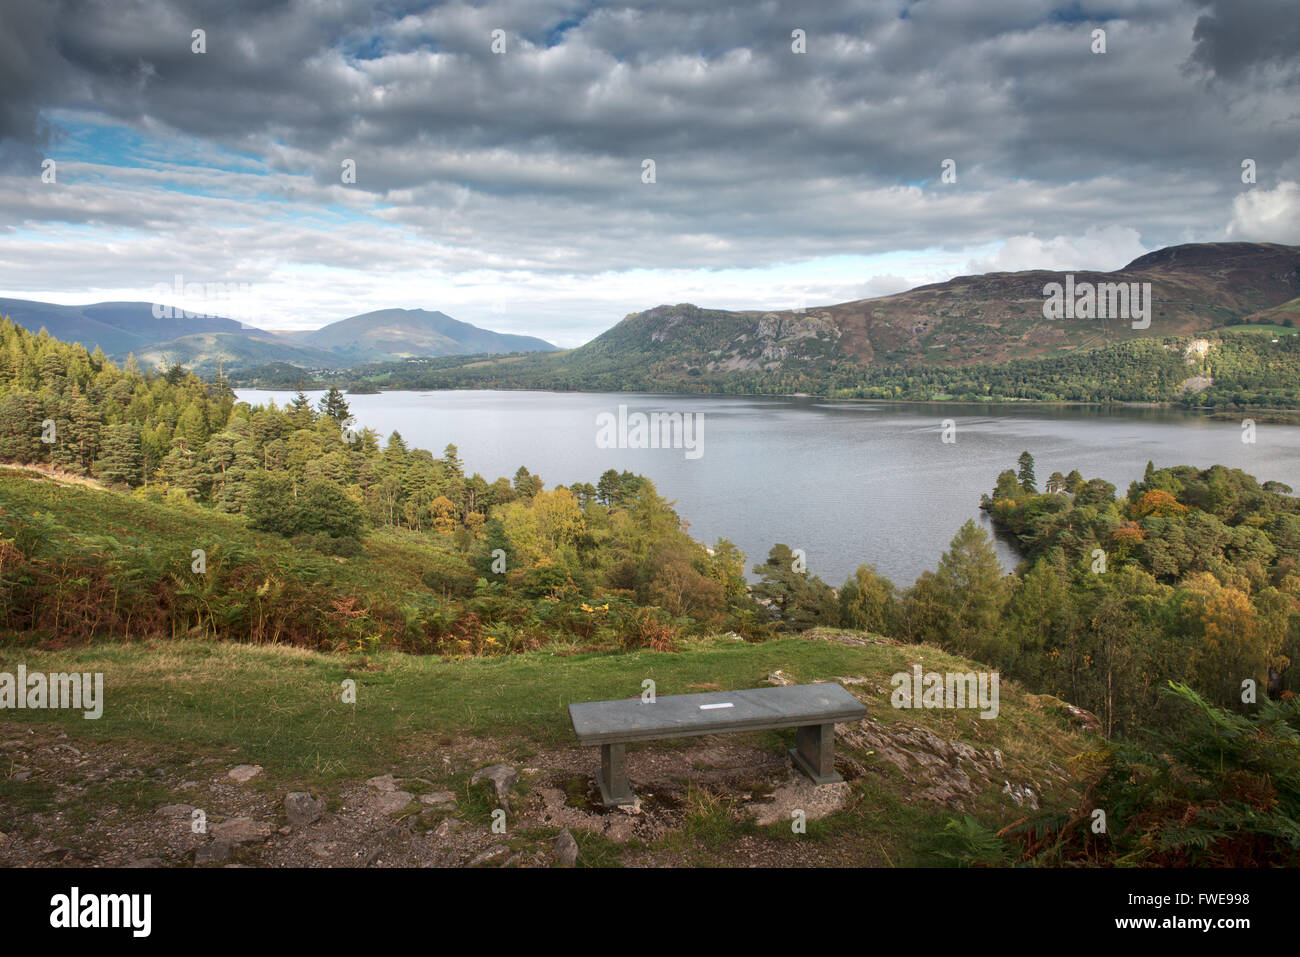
[(1268, 415)]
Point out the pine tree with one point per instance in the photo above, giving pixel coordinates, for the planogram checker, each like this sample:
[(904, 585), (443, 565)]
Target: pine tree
[(802, 601), (334, 406), (20, 428), (300, 411), (121, 461), (1026, 473)]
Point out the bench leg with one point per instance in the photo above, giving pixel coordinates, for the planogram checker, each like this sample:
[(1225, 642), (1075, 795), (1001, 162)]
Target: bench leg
[(612, 776), (815, 754)]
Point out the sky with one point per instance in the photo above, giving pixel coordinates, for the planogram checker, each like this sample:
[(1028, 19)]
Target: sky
[(500, 150)]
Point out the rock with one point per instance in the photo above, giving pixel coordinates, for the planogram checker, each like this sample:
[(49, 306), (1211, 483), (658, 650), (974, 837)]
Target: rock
[(322, 849), (175, 810), (566, 849), (438, 797), (1022, 795), (301, 808), (492, 853), (390, 802), (245, 772), (816, 801), (1083, 718), (213, 853), (240, 830), (385, 782), (23, 776), (381, 844), (941, 771), (503, 778), (779, 678), (446, 828)]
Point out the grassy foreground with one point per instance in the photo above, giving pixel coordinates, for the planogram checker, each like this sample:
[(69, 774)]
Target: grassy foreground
[(175, 704)]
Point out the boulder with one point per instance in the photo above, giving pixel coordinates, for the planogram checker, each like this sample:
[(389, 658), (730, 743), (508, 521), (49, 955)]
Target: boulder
[(213, 853), (390, 802), (503, 778), (240, 830), (385, 782), (491, 854), (566, 849), (301, 808)]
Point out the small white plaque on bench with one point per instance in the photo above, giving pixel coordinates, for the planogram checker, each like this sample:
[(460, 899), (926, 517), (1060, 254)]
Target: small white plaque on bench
[(710, 707)]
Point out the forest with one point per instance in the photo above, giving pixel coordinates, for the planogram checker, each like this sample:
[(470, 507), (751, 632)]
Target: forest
[(1243, 368)]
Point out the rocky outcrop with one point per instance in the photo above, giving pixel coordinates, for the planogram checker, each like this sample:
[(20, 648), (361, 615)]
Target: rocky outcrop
[(941, 771)]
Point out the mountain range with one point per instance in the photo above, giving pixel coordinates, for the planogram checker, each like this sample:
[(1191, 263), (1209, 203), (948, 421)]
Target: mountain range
[(896, 345), (977, 322), (988, 318), (204, 343)]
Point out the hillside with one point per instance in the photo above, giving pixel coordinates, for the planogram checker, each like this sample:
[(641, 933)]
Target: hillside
[(706, 801), (204, 344), (118, 328), (971, 319), (401, 333), (206, 352), (956, 334)]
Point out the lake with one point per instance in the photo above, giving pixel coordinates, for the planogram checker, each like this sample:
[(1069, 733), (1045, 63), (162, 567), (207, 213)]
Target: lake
[(847, 482)]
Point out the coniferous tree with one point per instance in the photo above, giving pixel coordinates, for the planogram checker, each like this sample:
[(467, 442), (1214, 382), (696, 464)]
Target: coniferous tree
[(120, 461), (1025, 473), (801, 600), (334, 406)]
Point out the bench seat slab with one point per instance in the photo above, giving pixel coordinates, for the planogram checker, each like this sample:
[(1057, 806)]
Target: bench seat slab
[(813, 709)]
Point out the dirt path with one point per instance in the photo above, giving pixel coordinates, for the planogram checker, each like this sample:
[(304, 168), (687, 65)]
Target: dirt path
[(77, 803)]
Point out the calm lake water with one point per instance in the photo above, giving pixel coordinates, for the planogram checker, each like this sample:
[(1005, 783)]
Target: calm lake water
[(846, 482)]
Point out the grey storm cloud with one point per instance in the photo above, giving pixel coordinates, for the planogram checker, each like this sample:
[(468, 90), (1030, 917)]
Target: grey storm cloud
[(531, 160), (1009, 87), (1235, 39)]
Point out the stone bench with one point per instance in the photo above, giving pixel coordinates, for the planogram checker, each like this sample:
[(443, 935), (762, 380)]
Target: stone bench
[(813, 709)]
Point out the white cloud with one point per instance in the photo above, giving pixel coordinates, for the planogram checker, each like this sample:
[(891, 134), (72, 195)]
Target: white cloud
[(1267, 215), (1101, 248)]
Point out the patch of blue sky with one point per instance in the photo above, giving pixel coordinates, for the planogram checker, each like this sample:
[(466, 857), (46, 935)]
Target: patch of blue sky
[(555, 36), (373, 47), (1073, 13), (111, 144), (334, 214)]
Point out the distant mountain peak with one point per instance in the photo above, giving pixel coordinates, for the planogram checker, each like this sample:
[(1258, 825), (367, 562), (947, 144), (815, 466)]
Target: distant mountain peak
[(120, 328)]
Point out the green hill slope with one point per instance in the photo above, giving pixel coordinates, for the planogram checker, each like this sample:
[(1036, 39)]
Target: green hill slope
[(976, 337)]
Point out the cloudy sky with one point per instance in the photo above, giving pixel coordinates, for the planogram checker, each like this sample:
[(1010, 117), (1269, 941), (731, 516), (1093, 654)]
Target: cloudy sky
[(500, 176)]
